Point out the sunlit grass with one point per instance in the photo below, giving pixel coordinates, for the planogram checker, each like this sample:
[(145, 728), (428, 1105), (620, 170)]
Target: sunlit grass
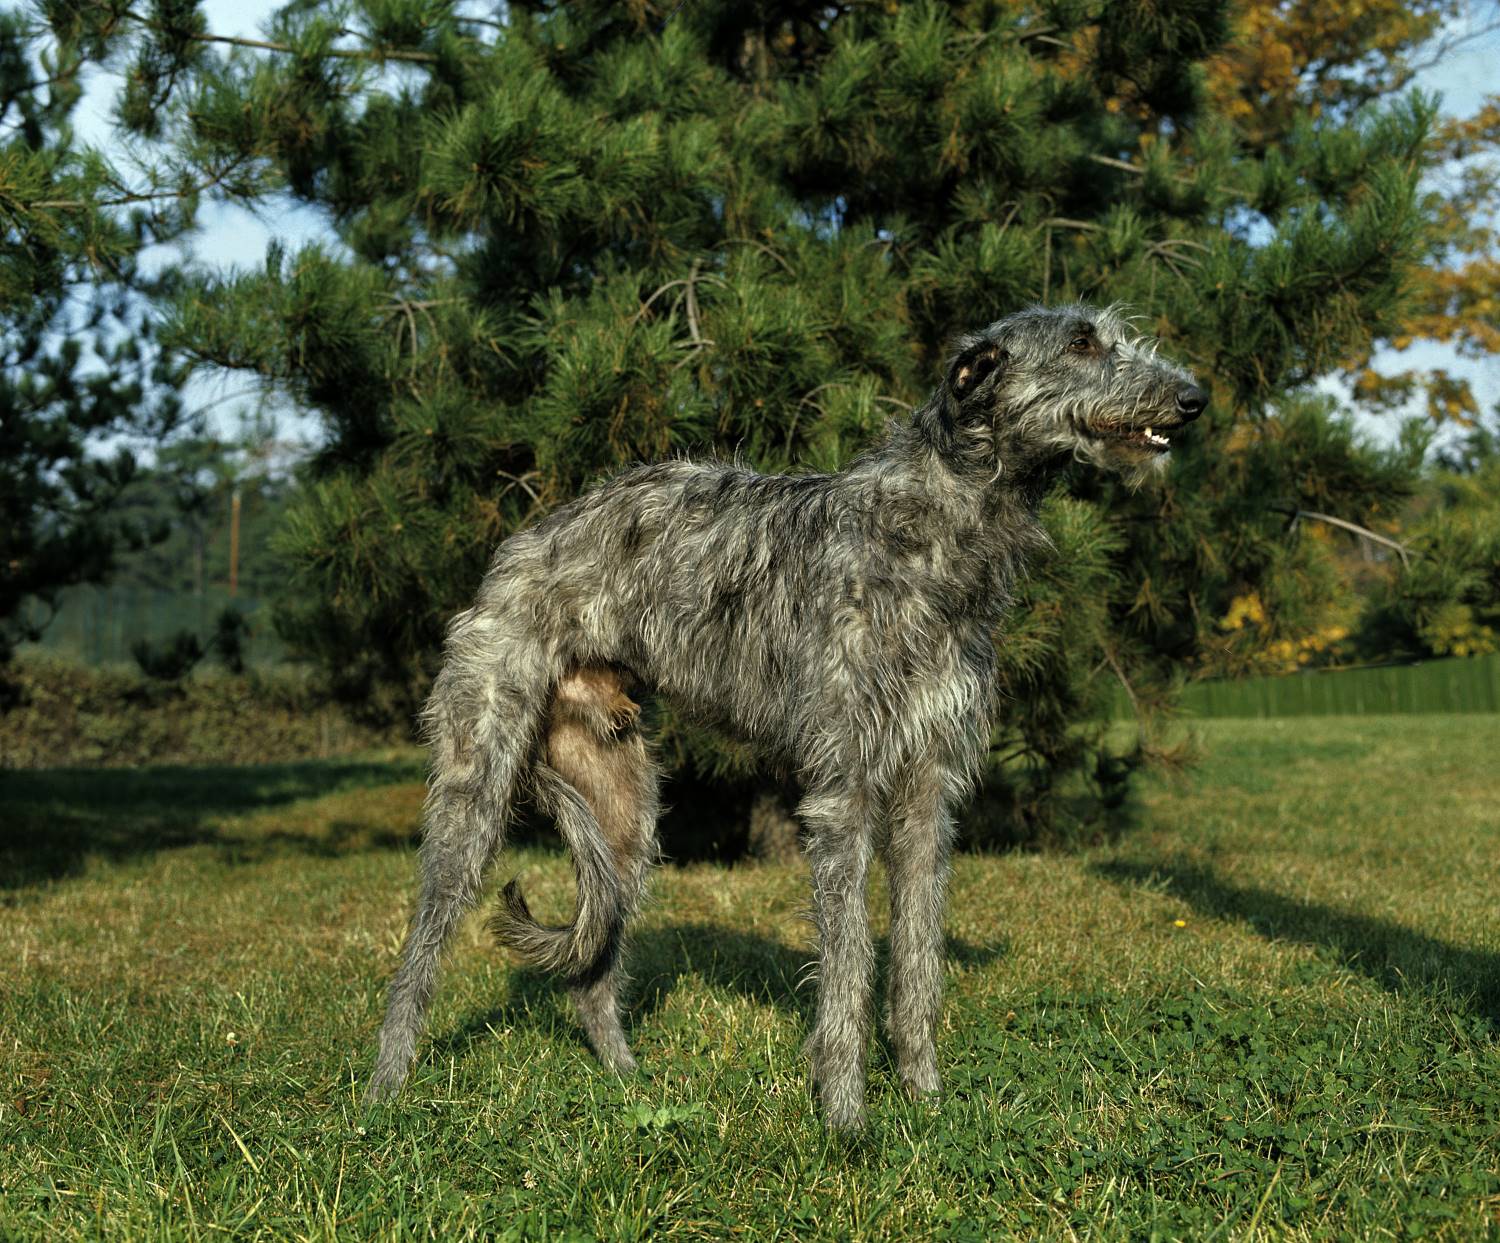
[(1270, 1007)]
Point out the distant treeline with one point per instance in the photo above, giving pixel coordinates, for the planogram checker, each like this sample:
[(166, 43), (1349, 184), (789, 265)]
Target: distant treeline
[(100, 625)]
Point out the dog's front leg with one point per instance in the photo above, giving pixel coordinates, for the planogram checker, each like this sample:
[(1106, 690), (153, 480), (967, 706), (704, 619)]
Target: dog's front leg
[(916, 860), (839, 848)]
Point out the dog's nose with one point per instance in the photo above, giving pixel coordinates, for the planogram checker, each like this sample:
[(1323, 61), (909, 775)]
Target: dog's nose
[(1191, 402)]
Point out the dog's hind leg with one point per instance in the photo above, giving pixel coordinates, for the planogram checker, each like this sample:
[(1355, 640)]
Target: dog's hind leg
[(481, 727), (453, 867), (595, 752)]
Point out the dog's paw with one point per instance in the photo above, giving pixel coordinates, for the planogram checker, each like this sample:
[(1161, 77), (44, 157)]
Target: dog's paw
[(844, 1118), (618, 1059), (921, 1083), (384, 1086)]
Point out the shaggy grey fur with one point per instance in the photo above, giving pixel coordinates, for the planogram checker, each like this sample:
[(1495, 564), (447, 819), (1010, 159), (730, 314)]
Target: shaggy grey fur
[(842, 624)]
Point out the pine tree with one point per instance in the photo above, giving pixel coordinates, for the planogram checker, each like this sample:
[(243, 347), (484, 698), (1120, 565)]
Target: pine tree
[(79, 380), (574, 236)]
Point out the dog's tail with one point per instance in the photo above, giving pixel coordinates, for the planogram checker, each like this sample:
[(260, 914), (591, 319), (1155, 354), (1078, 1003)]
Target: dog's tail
[(483, 723), (586, 947)]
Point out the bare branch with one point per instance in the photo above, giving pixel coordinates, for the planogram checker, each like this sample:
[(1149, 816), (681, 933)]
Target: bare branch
[(520, 481), (1064, 222), (1127, 167), (1446, 45), (1135, 704), (1344, 523), (760, 246), (375, 54), (692, 300)]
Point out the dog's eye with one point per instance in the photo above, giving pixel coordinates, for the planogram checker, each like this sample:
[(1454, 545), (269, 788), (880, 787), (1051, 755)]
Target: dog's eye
[(1081, 345)]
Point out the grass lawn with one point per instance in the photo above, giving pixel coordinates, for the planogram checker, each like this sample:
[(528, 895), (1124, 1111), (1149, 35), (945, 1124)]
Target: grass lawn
[(1271, 1008)]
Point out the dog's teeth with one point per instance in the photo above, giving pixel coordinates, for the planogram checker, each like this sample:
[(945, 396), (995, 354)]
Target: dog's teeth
[(1156, 439)]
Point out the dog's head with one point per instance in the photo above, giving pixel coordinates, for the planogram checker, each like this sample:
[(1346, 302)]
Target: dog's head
[(1071, 380)]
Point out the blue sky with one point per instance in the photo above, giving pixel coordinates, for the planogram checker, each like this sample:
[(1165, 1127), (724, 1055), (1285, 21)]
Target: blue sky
[(233, 237)]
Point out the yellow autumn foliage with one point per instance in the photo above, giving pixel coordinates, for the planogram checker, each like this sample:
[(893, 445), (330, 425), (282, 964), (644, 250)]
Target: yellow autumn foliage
[(1247, 614)]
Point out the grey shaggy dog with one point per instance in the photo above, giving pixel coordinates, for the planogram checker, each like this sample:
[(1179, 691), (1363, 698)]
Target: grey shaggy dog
[(841, 624)]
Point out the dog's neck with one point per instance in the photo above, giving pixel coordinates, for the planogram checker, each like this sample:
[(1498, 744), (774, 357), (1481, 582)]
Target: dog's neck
[(974, 479), (980, 513)]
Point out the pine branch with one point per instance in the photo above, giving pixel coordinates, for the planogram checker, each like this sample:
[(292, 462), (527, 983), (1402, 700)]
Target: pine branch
[(376, 54), (133, 196), (25, 88), (1127, 167)]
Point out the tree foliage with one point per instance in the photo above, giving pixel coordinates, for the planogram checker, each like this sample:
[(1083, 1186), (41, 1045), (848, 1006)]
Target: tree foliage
[(1444, 598), (1287, 62), (568, 237), (79, 380)]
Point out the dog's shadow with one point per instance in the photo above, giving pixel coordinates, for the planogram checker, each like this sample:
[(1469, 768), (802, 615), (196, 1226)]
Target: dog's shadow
[(665, 960)]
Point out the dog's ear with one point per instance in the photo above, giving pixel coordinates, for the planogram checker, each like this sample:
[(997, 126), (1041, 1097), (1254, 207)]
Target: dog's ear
[(975, 359), (974, 363)]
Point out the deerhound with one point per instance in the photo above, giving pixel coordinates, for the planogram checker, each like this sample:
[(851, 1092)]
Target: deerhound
[(842, 624)]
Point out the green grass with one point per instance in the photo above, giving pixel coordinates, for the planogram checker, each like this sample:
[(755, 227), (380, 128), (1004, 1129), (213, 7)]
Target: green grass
[(1270, 1008)]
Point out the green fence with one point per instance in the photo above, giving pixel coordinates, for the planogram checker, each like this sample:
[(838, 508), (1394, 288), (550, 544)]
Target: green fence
[(98, 625), (1471, 685)]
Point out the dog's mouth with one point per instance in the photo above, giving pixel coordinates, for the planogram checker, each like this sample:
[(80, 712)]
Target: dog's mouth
[(1154, 439)]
